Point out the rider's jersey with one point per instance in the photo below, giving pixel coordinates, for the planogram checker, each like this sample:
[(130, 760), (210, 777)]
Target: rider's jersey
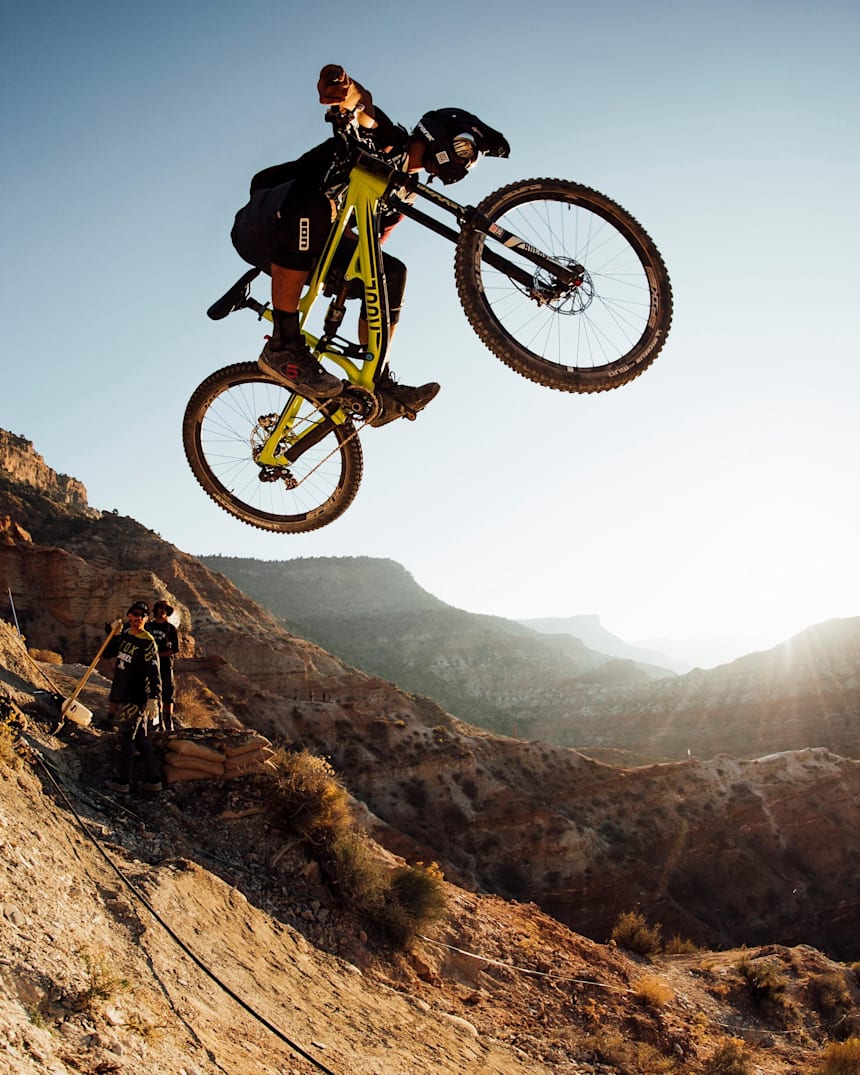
[(317, 169)]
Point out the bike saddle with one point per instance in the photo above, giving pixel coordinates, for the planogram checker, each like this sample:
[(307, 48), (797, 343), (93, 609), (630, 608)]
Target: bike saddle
[(235, 298)]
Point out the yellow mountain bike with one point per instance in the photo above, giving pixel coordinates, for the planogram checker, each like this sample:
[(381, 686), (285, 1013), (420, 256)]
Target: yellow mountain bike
[(559, 282)]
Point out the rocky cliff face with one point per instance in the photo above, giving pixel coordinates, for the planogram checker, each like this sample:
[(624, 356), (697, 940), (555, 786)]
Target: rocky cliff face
[(20, 462)]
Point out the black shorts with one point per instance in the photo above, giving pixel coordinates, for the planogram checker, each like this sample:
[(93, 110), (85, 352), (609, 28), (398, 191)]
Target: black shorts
[(286, 225)]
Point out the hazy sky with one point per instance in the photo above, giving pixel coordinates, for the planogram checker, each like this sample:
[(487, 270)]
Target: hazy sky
[(716, 494)]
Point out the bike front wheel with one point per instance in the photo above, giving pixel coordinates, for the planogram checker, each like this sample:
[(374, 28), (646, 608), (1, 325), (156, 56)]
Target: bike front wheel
[(596, 334), (228, 420)]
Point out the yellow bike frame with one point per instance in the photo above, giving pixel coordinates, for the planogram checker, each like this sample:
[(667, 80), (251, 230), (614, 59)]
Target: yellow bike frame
[(360, 206)]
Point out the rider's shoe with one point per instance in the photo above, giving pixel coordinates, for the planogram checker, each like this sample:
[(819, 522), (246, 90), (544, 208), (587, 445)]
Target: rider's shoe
[(401, 400), (294, 366)]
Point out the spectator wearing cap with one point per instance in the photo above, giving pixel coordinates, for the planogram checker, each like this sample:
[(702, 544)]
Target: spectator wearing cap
[(167, 639), (137, 692)]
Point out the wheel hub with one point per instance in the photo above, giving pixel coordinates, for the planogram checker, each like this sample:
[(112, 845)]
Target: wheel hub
[(568, 299)]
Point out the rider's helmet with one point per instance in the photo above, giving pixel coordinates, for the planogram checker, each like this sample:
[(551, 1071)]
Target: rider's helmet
[(455, 140)]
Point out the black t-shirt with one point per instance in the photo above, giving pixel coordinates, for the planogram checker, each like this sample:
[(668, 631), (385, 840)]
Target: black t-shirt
[(166, 638)]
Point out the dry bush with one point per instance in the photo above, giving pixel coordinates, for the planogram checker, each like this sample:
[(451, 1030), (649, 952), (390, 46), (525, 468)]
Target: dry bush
[(361, 877), (196, 705), (680, 946), (829, 994), (610, 1046), (310, 800), (654, 991), (414, 901), (765, 980), (840, 1058), (730, 1058), (631, 931), (102, 983)]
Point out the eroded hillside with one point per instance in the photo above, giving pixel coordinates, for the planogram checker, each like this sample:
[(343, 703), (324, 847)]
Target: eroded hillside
[(189, 933)]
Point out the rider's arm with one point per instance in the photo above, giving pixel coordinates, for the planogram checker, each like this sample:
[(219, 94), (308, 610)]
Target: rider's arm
[(335, 87)]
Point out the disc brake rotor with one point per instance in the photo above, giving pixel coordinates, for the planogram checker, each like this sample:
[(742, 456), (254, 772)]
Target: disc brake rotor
[(564, 298)]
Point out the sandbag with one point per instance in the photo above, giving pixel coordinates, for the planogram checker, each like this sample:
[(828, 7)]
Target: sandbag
[(257, 743), (188, 748), (244, 770), (238, 760), (200, 765)]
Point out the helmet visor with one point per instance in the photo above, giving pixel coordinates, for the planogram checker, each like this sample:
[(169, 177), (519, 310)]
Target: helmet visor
[(465, 149)]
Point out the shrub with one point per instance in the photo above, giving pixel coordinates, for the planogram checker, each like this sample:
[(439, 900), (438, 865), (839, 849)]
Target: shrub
[(361, 877), (610, 1046), (653, 991), (730, 1058), (102, 983), (415, 899), (765, 980), (9, 741), (829, 993), (310, 800), (841, 1058), (680, 946), (9, 758), (631, 931)]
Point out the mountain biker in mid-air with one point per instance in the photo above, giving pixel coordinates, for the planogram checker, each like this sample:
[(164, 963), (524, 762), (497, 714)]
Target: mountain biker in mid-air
[(283, 228)]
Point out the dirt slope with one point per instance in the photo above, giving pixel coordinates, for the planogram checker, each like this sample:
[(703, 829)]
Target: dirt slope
[(91, 982)]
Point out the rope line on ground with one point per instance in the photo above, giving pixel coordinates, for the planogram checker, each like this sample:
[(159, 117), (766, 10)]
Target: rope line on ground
[(616, 989), (526, 970), (735, 1028), (141, 898)]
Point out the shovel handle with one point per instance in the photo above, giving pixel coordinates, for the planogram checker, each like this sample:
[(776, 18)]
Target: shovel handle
[(68, 702)]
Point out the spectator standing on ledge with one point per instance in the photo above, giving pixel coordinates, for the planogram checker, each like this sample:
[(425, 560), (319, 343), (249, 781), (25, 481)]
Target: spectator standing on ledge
[(137, 692), (167, 640)]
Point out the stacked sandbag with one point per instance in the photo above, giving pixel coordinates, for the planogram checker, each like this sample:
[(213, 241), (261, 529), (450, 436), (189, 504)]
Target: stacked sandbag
[(250, 757), (207, 755)]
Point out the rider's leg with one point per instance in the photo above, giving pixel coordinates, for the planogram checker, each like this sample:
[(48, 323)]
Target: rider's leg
[(397, 399), (303, 221), (285, 355)]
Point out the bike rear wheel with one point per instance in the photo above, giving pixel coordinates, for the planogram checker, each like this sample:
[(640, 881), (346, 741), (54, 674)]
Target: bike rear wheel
[(227, 421), (591, 337)]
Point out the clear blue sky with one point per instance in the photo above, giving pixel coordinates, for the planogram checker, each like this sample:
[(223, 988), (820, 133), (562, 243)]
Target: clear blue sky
[(716, 494)]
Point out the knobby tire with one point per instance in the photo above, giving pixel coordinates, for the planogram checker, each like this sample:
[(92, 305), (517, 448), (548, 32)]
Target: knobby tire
[(593, 338), (228, 416)]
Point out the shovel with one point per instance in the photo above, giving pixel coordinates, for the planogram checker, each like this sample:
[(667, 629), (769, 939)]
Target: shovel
[(74, 710)]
